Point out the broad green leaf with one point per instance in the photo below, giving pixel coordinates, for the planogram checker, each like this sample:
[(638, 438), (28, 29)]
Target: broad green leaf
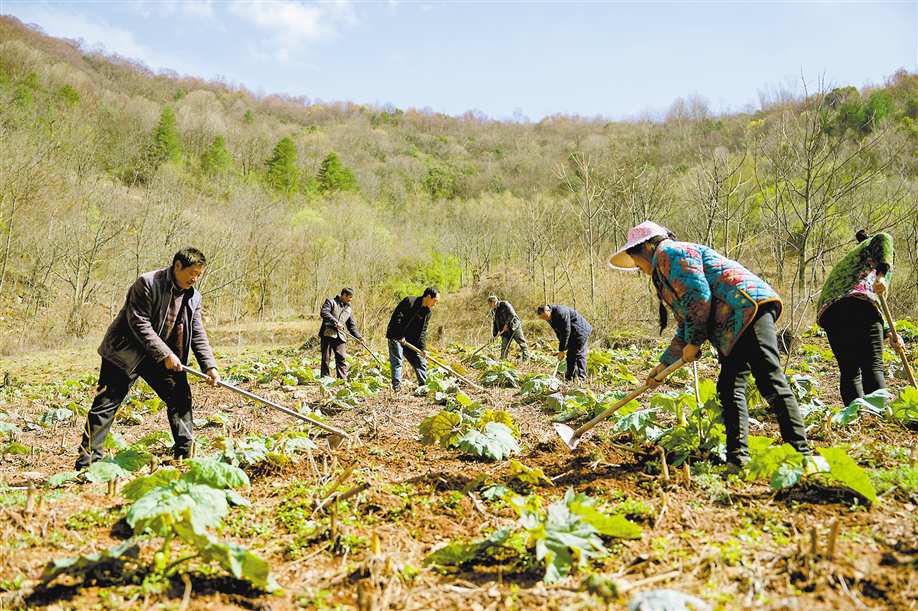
[(140, 486), (555, 403), (234, 498), (763, 464), (133, 459), (495, 492), (114, 441), (154, 438), (786, 476), (214, 473), (874, 403), (80, 565), (759, 444), (905, 407), (458, 553), (463, 400), (237, 560), (498, 415), (105, 470), (615, 525), (162, 508), (53, 416), (495, 442), (17, 449), (528, 475), (846, 472), (563, 539), (294, 445), (439, 428)]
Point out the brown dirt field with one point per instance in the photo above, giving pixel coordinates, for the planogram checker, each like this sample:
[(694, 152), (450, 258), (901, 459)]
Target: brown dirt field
[(737, 547)]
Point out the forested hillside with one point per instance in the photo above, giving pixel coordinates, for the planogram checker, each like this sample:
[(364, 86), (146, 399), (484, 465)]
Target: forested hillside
[(107, 168)]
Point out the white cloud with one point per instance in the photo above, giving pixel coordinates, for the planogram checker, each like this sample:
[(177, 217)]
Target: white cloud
[(290, 24), (99, 34), (185, 8)]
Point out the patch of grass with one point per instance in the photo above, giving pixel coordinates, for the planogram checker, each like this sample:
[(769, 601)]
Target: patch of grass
[(93, 519), (635, 509)]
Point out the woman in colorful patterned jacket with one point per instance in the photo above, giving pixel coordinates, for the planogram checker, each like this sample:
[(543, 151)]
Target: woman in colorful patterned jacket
[(848, 311), (719, 300)]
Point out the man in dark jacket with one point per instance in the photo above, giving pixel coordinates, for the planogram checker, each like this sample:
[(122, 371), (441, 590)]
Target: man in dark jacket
[(150, 338), (337, 323), (508, 325), (409, 324), (573, 333)]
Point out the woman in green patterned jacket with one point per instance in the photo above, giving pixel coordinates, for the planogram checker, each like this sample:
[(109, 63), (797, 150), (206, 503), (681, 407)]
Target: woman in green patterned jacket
[(849, 313)]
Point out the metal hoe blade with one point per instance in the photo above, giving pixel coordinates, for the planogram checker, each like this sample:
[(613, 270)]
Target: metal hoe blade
[(567, 435)]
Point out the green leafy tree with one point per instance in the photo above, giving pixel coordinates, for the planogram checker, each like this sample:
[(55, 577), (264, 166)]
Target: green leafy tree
[(167, 145), (283, 174), (441, 182), (68, 95), (879, 106), (334, 176), (216, 159)]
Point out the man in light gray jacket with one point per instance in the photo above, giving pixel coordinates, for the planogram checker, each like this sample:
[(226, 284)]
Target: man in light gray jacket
[(508, 324), (159, 324)]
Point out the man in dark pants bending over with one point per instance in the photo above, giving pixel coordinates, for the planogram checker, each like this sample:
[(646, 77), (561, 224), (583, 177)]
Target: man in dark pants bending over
[(150, 338), (409, 324), (573, 333)]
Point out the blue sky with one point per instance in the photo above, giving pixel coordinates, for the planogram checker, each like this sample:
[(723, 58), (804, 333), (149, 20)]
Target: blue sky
[(531, 58)]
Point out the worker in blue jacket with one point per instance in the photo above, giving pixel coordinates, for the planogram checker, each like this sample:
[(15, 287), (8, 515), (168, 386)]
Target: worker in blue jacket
[(573, 333)]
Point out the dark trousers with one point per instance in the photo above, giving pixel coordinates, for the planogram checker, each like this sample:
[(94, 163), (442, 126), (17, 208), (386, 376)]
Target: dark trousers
[(114, 384), (855, 332), (576, 358), (338, 348), (515, 335), (756, 351), (396, 352)]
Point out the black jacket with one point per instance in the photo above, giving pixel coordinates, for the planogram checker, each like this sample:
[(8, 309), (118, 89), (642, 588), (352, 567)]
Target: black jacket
[(504, 315), (138, 331), (569, 325), (335, 312), (409, 320)]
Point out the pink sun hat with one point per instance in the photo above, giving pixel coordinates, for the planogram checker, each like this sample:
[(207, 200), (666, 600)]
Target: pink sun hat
[(636, 235)]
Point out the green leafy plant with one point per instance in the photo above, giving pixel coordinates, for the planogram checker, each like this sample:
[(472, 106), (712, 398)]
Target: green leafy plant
[(875, 403), (471, 428), (537, 386), (905, 407), (179, 508), (495, 441), (500, 373), (783, 466), (559, 539)]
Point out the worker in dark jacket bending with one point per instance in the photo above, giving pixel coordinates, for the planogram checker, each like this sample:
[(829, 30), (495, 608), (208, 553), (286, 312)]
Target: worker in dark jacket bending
[(337, 323), (508, 325), (409, 325), (573, 333), (150, 338)]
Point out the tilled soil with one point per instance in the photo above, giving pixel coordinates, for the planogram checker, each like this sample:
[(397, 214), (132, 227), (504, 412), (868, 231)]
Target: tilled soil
[(732, 543)]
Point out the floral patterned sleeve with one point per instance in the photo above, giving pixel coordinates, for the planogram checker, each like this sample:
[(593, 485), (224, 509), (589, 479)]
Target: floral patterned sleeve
[(692, 305)]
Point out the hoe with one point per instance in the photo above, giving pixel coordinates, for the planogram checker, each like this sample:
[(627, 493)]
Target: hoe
[(571, 438), (326, 427)]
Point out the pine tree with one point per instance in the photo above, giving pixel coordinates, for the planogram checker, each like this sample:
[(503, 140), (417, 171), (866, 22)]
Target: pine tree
[(216, 159), (334, 176), (167, 146), (283, 175)]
